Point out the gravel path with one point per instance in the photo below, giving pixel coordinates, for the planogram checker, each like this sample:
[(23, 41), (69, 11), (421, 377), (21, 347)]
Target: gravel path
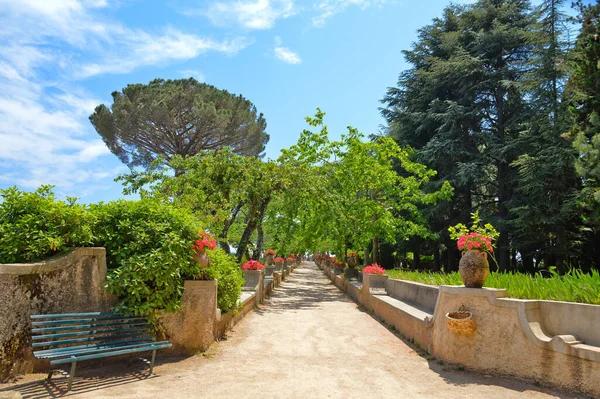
[(308, 341)]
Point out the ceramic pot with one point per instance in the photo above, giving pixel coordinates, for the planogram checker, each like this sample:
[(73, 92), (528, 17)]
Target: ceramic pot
[(202, 258), (474, 268)]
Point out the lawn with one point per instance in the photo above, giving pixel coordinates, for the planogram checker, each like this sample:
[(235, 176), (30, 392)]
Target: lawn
[(574, 286)]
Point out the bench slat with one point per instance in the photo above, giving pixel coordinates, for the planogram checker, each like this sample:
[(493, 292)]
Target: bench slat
[(89, 332), (85, 320), (82, 340), (98, 349), (43, 352), (63, 315), (158, 345), (86, 326)]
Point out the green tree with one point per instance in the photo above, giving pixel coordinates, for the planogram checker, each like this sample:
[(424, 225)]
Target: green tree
[(463, 107), (182, 117)]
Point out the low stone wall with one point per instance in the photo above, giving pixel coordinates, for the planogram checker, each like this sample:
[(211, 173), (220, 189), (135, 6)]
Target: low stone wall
[(74, 283), (68, 283), (554, 343)]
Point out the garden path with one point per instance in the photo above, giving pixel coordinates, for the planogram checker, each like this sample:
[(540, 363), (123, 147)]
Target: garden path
[(308, 340)]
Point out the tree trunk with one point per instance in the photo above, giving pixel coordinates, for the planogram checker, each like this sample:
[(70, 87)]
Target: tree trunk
[(259, 241), (376, 257), (255, 215), (436, 258), (227, 225)]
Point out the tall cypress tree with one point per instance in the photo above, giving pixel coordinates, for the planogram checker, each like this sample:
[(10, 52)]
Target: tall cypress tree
[(462, 105)]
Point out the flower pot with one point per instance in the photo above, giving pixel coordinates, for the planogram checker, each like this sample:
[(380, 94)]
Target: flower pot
[(202, 258), (351, 273), (269, 270), (352, 262), (461, 322), (474, 268), (375, 282), (269, 260), (278, 267), (338, 270)]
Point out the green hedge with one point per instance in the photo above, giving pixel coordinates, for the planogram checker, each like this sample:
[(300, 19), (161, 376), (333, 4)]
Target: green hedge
[(230, 279), (35, 226), (147, 245)]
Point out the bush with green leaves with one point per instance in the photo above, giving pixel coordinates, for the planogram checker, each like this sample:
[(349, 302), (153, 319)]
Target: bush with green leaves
[(225, 269), (34, 225), (148, 252)]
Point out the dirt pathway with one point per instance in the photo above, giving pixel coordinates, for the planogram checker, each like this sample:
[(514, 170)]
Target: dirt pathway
[(308, 341)]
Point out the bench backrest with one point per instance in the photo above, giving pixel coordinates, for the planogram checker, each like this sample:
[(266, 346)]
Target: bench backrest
[(64, 330)]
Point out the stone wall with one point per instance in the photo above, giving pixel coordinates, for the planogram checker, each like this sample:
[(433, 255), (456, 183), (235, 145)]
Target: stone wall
[(69, 283), (549, 342)]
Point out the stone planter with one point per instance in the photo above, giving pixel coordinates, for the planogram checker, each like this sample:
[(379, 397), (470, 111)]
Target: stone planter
[(338, 270), (351, 273), (474, 268), (375, 283), (269, 270), (253, 280), (278, 267)]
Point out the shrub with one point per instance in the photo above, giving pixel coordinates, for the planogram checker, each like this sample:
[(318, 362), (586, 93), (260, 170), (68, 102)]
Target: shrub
[(34, 225), (148, 252), (228, 274)]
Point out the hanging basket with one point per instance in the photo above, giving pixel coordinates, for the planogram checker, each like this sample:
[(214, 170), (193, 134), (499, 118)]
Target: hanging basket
[(461, 322)]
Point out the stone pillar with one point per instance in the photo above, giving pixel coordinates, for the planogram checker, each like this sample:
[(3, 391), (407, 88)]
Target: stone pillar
[(190, 329)]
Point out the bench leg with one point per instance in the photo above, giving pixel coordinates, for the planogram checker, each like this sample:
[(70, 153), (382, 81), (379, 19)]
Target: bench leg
[(71, 375), (152, 362), (50, 375)]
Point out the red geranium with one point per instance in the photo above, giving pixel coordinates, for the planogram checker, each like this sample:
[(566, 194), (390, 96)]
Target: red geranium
[(253, 265), (205, 241), (374, 269), (340, 264), (270, 252), (475, 242), (290, 259), (278, 259)]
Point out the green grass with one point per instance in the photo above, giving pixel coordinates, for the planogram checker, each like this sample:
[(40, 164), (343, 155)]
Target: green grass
[(574, 286)]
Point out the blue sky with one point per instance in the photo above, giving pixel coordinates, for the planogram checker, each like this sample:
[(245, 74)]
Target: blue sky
[(59, 59)]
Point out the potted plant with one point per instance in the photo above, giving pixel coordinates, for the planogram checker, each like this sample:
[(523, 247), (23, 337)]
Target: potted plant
[(352, 259), (269, 255), (475, 245), (338, 268), (199, 248), (278, 261), (252, 271), (374, 278)]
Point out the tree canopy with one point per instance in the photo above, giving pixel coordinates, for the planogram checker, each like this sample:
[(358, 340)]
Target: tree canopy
[(167, 118)]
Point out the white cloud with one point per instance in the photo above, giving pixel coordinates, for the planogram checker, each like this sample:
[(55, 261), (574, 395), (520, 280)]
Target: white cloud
[(192, 73), (285, 54), (45, 47), (328, 8), (250, 14)]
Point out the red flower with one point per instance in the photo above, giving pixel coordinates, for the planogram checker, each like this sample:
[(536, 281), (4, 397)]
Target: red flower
[(374, 269), (278, 259), (269, 252), (253, 265), (206, 241)]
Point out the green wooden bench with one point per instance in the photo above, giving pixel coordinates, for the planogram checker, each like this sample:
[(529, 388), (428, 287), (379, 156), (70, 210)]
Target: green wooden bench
[(74, 337)]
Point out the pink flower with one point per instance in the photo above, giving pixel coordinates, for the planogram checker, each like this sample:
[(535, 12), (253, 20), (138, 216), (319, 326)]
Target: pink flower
[(253, 265), (374, 269)]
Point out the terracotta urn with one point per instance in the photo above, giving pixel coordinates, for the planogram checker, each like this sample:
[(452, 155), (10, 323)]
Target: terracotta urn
[(474, 268), (202, 258)]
